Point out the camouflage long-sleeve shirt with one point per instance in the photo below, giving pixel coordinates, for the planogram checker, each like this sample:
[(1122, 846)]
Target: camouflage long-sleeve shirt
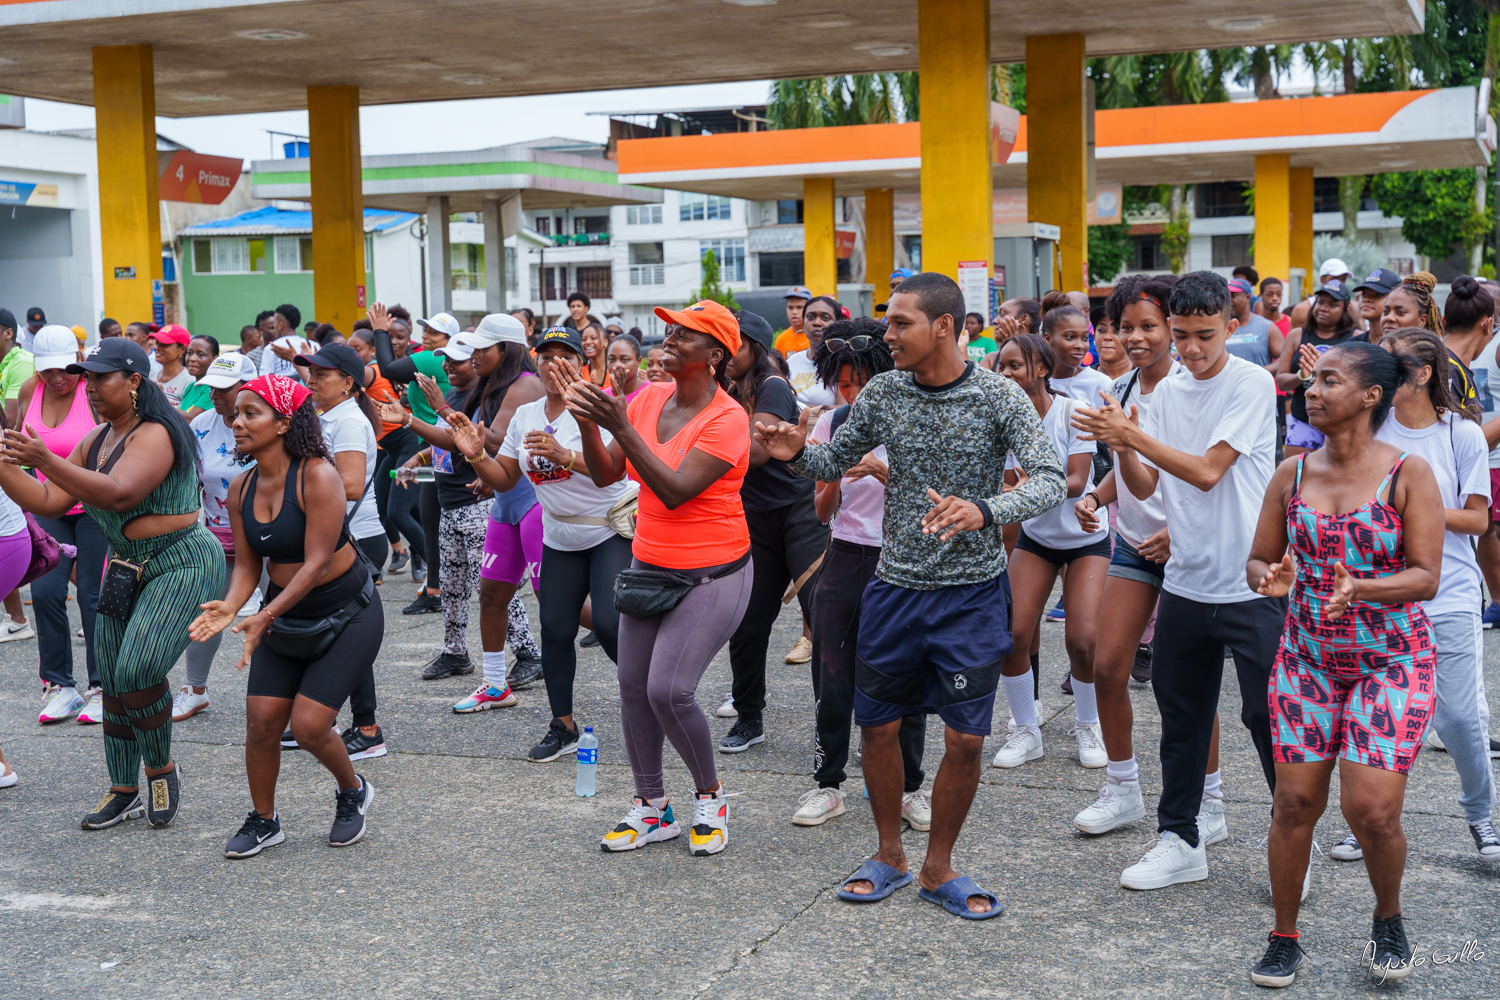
[(953, 439)]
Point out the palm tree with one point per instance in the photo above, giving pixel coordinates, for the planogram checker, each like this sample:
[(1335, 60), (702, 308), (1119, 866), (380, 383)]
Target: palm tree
[(863, 99)]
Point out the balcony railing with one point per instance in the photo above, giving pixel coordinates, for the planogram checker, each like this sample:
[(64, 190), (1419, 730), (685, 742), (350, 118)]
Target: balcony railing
[(582, 240), (648, 274)]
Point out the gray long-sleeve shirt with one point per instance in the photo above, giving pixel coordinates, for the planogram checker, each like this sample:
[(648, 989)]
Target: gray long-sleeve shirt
[(954, 439)]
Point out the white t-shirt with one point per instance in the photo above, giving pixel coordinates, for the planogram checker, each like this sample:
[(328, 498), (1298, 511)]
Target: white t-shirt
[(174, 387), (1455, 448), (1058, 528), (1212, 531), (345, 428), (1085, 387), (270, 364), (570, 493), (1486, 371), (216, 465), (809, 388), (1138, 520), (861, 510)]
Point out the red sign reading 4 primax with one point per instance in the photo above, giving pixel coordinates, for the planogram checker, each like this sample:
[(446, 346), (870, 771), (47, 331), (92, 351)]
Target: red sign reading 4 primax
[(199, 178)]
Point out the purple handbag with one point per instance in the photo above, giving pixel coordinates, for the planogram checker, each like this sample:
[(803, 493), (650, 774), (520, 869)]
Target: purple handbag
[(44, 551)]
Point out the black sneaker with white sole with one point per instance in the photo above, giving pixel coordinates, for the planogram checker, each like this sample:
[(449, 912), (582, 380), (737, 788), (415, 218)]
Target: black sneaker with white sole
[(349, 813), (289, 742), (558, 741), (523, 674), (1494, 748), (447, 665), (163, 793), (362, 747), (256, 834), (743, 735), (1486, 840), (1279, 966), (1392, 951), (115, 807)]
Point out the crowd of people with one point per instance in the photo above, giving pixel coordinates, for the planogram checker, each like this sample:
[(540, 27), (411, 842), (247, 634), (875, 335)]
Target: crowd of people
[(919, 484)]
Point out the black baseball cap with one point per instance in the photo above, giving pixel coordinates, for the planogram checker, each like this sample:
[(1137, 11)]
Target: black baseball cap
[(338, 356), (1380, 281), (1334, 288), (7, 320), (35, 315), (114, 354), (755, 327), (562, 335)]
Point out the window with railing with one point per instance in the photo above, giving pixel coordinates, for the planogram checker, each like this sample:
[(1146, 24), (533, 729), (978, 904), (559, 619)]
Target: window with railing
[(229, 256), (1232, 250), (647, 264), (294, 254), (596, 282), (1221, 200), (643, 215), (468, 267), (697, 207), (729, 253)]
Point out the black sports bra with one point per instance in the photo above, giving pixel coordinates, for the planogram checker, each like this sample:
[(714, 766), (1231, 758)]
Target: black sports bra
[(283, 538)]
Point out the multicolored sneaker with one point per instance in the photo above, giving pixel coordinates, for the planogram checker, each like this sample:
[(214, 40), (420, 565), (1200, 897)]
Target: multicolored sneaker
[(710, 832), (644, 824), (93, 712), (62, 702), (487, 696)]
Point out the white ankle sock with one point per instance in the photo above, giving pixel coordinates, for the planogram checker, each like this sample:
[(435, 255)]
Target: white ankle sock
[(1121, 770), (1213, 786), (1018, 693), (657, 803), (1085, 708), (494, 669)]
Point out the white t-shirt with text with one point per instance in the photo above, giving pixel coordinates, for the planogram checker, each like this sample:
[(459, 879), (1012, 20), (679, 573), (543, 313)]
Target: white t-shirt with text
[(565, 492)]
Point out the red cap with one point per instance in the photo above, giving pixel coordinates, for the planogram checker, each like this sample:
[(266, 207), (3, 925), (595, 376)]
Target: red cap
[(285, 395), (708, 317), (172, 334)]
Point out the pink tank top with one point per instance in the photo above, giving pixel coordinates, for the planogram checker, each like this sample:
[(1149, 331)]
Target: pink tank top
[(62, 439)]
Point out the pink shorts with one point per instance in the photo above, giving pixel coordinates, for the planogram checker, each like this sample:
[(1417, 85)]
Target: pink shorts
[(512, 549)]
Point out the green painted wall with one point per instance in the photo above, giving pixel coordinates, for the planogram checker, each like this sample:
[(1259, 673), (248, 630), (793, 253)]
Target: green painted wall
[(219, 304)]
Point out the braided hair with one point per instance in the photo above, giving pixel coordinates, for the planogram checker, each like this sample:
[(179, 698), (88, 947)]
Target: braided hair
[(1419, 286), (866, 364), (1424, 347)]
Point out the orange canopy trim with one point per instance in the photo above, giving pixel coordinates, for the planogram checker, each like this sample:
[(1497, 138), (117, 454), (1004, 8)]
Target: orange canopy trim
[(840, 143)]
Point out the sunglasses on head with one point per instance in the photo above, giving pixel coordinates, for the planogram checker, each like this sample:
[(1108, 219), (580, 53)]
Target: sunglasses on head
[(863, 342)]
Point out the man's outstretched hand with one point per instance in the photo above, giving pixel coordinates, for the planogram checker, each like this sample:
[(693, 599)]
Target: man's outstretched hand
[(783, 440), (950, 515)]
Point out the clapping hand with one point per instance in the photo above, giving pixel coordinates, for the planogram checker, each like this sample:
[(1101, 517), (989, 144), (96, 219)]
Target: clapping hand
[(25, 449), (1343, 593), (587, 401), (467, 436), (1109, 423), (389, 412), (380, 317), (432, 391), (1307, 360), (868, 466), (1005, 327), (540, 444), (783, 440), (1278, 579), (217, 615), (950, 515)]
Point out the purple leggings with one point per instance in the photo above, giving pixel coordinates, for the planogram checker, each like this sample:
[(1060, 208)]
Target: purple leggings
[(15, 559), (661, 661)]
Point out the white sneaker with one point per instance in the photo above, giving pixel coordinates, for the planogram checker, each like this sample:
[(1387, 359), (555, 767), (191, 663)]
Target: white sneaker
[(916, 809), (1010, 726), (1307, 875), (1347, 849), (93, 712), (186, 703), (818, 806), (252, 606), (1433, 740), (1213, 828), (1118, 803), (710, 830), (643, 824), (8, 776), (64, 701), (11, 631), (1022, 745), (727, 710), (1090, 744), (1169, 862)]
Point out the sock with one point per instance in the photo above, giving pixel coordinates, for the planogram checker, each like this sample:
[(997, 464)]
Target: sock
[(657, 803), (1213, 786), (1036, 676), (1085, 708), (494, 669), (1123, 770), (1018, 693)]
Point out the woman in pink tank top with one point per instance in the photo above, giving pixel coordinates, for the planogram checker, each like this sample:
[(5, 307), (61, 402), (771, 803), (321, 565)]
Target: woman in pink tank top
[(55, 407)]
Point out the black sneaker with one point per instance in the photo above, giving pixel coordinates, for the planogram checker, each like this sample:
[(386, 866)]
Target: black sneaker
[(1486, 840), (115, 807), (162, 794), (589, 640), (1494, 748), (523, 674), (1279, 967), (362, 747), (743, 735), (425, 604), (349, 813), (289, 742), (447, 665), (558, 741), (398, 562), (418, 570), (1140, 670), (257, 834), (1392, 952)]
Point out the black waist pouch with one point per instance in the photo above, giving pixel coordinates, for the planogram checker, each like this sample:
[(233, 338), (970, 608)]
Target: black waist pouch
[(646, 593), (122, 585), (310, 639)]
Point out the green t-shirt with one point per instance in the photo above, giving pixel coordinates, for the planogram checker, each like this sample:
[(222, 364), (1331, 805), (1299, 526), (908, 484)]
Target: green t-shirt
[(431, 365), (16, 367), (979, 347), (196, 396)]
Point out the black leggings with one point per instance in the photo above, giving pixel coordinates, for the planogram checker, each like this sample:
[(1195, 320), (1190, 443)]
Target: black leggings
[(362, 701), (392, 502), (568, 578), (431, 516)]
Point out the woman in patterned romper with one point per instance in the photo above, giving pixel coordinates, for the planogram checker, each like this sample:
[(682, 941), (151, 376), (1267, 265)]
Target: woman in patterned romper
[(1353, 682)]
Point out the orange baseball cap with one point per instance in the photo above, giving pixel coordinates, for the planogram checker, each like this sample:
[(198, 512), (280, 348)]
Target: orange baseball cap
[(708, 317)]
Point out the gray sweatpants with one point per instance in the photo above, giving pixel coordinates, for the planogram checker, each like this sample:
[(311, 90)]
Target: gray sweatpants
[(661, 661), (1457, 718), (200, 655)]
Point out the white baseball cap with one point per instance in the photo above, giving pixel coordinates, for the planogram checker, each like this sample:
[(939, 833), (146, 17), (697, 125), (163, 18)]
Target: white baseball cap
[(443, 323), (497, 328), (227, 369), (1333, 268), (460, 347), (54, 347)]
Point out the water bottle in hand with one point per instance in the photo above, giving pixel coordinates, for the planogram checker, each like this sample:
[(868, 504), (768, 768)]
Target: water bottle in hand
[(588, 761), (420, 474)]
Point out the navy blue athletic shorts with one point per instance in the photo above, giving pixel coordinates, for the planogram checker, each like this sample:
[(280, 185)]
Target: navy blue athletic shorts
[(933, 650)]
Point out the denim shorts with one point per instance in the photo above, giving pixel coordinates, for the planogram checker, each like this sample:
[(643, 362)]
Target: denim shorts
[(1128, 564)]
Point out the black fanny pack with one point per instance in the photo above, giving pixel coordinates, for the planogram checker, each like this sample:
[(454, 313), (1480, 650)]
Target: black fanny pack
[(646, 593), (121, 585), (311, 638)]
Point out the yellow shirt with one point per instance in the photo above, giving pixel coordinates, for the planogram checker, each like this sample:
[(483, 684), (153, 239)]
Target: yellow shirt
[(790, 342)]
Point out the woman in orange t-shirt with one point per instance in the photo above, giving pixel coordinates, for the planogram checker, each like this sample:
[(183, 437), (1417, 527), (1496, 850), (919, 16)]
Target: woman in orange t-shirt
[(687, 443)]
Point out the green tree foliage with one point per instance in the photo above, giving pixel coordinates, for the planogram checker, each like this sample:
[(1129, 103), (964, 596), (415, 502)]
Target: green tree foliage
[(713, 284), (1436, 209), (864, 99)]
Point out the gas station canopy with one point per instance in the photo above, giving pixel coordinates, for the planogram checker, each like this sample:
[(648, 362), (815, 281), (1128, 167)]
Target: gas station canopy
[(230, 57)]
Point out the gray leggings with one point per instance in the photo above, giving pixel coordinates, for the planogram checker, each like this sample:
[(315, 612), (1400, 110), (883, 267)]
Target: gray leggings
[(1456, 717), (661, 661), (200, 655)]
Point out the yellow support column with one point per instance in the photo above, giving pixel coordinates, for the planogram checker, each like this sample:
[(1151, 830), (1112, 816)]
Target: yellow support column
[(1057, 176), (1273, 215), (129, 214), (880, 241), (820, 262), (1302, 225), (954, 60), (338, 214)]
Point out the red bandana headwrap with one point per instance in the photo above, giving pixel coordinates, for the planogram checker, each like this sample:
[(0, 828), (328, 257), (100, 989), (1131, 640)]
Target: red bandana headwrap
[(285, 395)]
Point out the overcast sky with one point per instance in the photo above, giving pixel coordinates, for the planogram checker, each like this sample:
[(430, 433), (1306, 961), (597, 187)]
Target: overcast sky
[(416, 128)]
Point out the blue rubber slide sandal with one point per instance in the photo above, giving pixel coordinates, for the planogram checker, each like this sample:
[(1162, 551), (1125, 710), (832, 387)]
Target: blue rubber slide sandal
[(954, 894), (883, 877)]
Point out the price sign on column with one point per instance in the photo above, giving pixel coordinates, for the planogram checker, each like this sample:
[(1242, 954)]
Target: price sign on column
[(974, 282)]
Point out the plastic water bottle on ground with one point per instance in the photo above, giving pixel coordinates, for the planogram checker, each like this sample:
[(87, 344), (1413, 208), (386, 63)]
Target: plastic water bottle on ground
[(588, 761)]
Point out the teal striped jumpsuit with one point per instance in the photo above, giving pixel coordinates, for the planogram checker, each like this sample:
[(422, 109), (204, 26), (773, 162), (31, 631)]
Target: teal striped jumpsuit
[(185, 569)]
